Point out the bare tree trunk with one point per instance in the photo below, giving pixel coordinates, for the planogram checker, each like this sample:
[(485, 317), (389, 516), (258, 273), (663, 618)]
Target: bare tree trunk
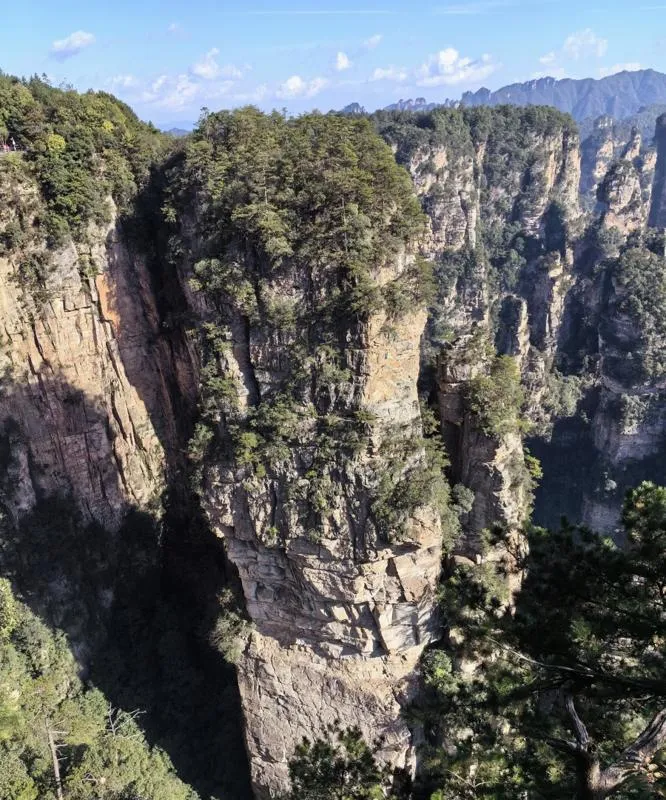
[(53, 747), (595, 783)]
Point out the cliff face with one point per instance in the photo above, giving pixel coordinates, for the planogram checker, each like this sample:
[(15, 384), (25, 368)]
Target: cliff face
[(313, 468), (78, 388), (500, 196), (340, 615), (558, 280)]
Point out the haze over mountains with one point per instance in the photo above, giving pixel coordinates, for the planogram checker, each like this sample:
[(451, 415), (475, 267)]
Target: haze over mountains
[(620, 96)]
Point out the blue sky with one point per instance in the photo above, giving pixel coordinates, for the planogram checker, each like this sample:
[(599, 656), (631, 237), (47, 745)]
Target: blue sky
[(167, 59)]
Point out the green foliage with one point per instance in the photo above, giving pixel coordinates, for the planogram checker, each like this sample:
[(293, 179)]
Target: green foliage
[(533, 466), (104, 755), (567, 679), (415, 287), (321, 192), (497, 398), (299, 224), (563, 394), (8, 610), (79, 150), (341, 768), (640, 278), (413, 477), (230, 629)]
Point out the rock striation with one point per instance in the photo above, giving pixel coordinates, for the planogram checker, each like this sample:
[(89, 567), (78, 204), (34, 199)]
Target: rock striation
[(340, 616), (80, 381)]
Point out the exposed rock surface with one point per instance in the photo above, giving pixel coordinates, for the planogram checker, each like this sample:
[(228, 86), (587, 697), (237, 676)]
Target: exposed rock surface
[(80, 380), (339, 620), (484, 184)]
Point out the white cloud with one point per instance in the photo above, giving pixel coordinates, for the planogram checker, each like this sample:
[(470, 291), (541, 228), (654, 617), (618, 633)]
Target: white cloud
[(584, 44), (255, 95), (174, 27), (123, 82), (295, 86), (630, 66), (65, 48), (579, 45), (232, 72), (342, 62), (396, 74), (208, 68), (549, 58), (174, 92), (448, 68), (373, 41)]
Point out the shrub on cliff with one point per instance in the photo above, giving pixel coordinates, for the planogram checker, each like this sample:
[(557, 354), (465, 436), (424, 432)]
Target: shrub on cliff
[(497, 398), (340, 768)]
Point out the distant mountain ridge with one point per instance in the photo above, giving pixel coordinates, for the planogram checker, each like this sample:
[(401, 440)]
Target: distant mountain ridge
[(620, 96)]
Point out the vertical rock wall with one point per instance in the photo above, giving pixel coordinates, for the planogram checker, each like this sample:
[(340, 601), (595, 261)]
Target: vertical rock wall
[(340, 618), (81, 382)]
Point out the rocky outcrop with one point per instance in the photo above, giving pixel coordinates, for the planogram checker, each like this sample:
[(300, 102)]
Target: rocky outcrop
[(80, 379), (490, 465), (484, 184), (340, 614)]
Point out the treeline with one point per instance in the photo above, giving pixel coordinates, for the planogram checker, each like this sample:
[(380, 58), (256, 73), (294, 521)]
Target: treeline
[(81, 149)]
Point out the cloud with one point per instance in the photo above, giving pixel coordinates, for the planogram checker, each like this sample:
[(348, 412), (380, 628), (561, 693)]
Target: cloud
[(71, 45), (389, 74), (549, 58), (209, 69), (171, 92), (298, 87), (255, 95), (342, 62), (630, 66), (373, 41), (123, 81), (579, 45), (584, 44), (447, 68), (174, 27)]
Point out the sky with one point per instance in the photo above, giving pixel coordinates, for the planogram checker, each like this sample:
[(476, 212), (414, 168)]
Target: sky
[(169, 59)]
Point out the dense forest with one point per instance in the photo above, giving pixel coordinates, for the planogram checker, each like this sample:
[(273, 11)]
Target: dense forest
[(271, 246)]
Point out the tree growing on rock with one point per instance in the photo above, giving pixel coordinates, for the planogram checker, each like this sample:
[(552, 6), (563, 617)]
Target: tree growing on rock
[(569, 699)]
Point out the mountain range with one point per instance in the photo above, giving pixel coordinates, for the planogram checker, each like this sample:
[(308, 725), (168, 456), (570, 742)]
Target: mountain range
[(621, 95)]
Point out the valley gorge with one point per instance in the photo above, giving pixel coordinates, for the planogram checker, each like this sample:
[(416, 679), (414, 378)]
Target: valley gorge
[(286, 369)]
